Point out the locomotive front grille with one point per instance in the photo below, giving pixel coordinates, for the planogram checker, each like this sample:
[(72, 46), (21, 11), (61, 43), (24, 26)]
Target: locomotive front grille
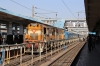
[(34, 36)]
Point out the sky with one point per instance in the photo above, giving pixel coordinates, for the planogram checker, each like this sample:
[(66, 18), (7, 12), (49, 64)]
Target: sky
[(51, 5)]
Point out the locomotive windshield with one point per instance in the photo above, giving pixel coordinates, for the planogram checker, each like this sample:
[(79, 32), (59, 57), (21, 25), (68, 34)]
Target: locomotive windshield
[(33, 24)]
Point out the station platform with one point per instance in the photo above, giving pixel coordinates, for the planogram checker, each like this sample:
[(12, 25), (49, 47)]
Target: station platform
[(86, 58)]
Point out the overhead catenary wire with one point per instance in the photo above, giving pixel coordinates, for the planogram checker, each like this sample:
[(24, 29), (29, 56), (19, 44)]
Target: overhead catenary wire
[(39, 16), (27, 7), (46, 10), (68, 8), (79, 13), (82, 11), (45, 13), (20, 5)]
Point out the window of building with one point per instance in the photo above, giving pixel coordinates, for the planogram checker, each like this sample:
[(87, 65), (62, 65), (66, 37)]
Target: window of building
[(85, 25), (73, 24), (47, 21)]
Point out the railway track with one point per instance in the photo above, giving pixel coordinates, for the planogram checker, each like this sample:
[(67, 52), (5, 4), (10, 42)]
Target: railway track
[(27, 59), (67, 58), (14, 62), (37, 62)]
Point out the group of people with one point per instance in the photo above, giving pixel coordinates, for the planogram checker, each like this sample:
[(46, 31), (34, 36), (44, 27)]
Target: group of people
[(92, 40)]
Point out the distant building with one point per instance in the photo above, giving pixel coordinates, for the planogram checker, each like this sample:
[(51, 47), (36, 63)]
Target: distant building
[(49, 21), (72, 25), (77, 26)]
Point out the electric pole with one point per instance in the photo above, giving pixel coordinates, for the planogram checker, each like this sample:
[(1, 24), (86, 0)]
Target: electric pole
[(79, 13), (33, 11)]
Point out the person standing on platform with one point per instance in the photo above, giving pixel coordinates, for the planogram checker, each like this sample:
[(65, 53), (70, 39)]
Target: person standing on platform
[(94, 41), (89, 42), (1, 39), (97, 39), (0, 59)]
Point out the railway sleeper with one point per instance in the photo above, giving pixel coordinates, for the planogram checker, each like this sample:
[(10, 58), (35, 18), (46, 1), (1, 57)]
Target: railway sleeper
[(71, 58)]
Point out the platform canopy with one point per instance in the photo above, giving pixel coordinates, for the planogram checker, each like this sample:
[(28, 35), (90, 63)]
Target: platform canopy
[(92, 8), (8, 16)]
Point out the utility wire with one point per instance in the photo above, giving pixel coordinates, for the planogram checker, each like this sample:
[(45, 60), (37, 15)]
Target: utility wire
[(46, 10), (27, 7), (39, 16), (45, 13), (68, 8), (82, 11), (21, 5)]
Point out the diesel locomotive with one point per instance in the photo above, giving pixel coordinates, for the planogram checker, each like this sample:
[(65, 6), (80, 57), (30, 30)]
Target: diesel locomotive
[(39, 33)]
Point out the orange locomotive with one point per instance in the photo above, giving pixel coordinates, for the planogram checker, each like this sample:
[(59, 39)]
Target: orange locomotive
[(40, 33)]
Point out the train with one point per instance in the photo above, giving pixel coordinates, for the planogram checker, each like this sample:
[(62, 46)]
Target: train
[(39, 33)]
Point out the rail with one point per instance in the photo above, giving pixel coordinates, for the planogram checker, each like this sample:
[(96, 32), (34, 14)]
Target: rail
[(52, 44)]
